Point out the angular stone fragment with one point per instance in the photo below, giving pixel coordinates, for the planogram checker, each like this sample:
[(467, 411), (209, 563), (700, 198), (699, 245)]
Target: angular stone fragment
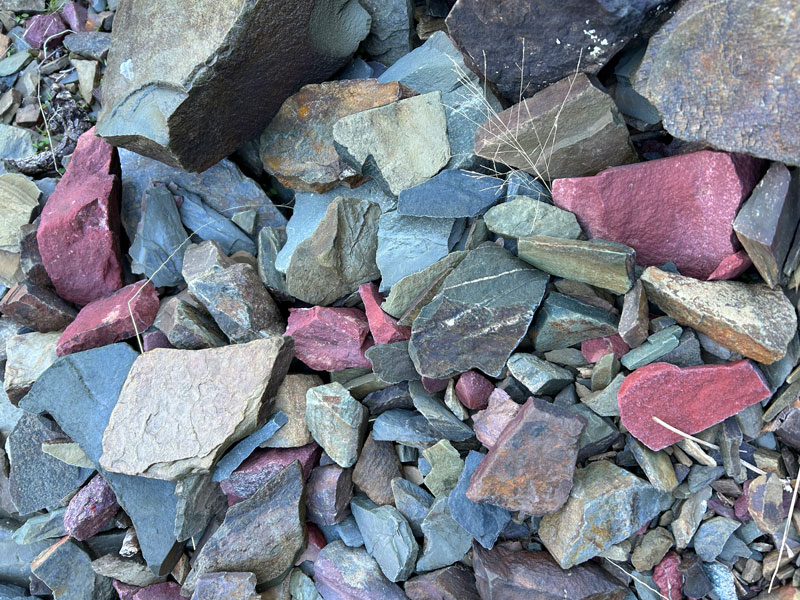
[(691, 399), (607, 504), (291, 399), (668, 578), (66, 569), (350, 573), (116, 317), (729, 312), (451, 194), (504, 574), (677, 188), (412, 501), (508, 477), (340, 254), (657, 345), (47, 28), (18, 200), (383, 327), (370, 141), (489, 423), (90, 509), (706, 105), (765, 502), (461, 330), (391, 363), (766, 222), (30, 260), (185, 392), (228, 49), (455, 582), (220, 586), (37, 307), (392, 29), (474, 390), (525, 217), (634, 319), (79, 231), (270, 241), (395, 396), (28, 356), (207, 224), (651, 549), (406, 427), (337, 422), (564, 321), (376, 468), (329, 339), (297, 145), (571, 128), (539, 376), (169, 590), (446, 542), (446, 466), (237, 454), (187, 325), (438, 416), (657, 467), (329, 491)]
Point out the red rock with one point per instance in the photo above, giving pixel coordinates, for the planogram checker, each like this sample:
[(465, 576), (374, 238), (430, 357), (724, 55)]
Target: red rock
[(262, 465), (668, 578), (45, 28), (473, 390), (168, 590), (79, 232), (489, 424), (384, 328), (732, 266), (678, 209), (108, 320), (595, 349), (125, 591), (90, 509), (330, 339), (316, 542), (432, 385), (75, 16), (37, 307), (691, 399)]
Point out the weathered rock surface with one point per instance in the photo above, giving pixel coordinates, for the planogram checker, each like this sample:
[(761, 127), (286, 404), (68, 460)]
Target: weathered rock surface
[(634, 318), (473, 390), (564, 321), (376, 468), (525, 217), (537, 375), (445, 468), (18, 200), (337, 422), (219, 586), (240, 451), (677, 188), (187, 391), (383, 327), (187, 325), (28, 356), (489, 423), (590, 136), (406, 427), (291, 399), (352, 574), (440, 418), (66, 569), (751, 319), (131, 571), (30, 259), (455, 582), (329, 491), (197, 72), (446, 542), (717, 106), (452, 194), (37, 307), (391, 34), (90, 509), (329, 339)]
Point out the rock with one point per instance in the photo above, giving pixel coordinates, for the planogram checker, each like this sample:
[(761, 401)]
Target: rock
[(224, 53), (19, 199), (446, 466), (413, 502), (383, 327), (328, 494), (219, 586), (452, 194), (522, 69), (502, 573), (651, 549), (270, 242), (376, 468), (392, 30), (187, 325), (690, 399), (88, 72), (66, 569), (183, 388), (40, 527), (168, 590), (291, 399), (79, 232), (455, 582), (424, 147), (262, 535), (595, 349), (90, 44), (657, 345), (337, 422), (444, 422), (342, 572), (564, 321), (707, 307), (537, 375), (713, 182), (685, 95), (391, 363), (525, 217), (445, 540), (36, 307), (30, 260), (489, 423), (297, 145), (634, 319), (447, 337), (301, 587), (237, 454), (16, 142), (605, 500), (712, 535), (400, 258), (474, 390), (90, 509), (765, 502), (657, 467), (340, 254), (28, 356), (329, 339), (696, 583), (47, 29), (571, 128), (506, 477), (157, 250), (15, 564), (207, 224), (668, 578), (395, 396), (123, 314), (405, 427), (309, 210), (766, 222)]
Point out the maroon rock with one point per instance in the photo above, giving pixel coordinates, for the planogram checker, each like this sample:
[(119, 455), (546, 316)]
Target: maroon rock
[(508, 476), (30, 261), (75, 16), (36, 307), (262, 465), (108, 319), (328, 494), (432, 385), (668, 577), (153, 338), (90, 509), (678, 209), (168, 590), (595, 349), (45, 28), (455, 582), (490, 423), (473, 390), (740, 505), (125, 591), (79, 231), (691, 399), (329, 339), (732, 266), (505, 574), (384, 328)]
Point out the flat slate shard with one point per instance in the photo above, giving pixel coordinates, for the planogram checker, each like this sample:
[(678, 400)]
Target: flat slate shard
[(391, 362), (751, 319), (406, 427), (328, 494), (607, 504), (719, 106), (179, 410), (149, 107), (451, 194), (37, 307), (635, 316), (376, 468), (590, 134), (480, 314), (440, 418), (509, 476), (766, 222), (525, 217), (337, 422), (446, 542), (297, 145), (564, 321), (539, 376), (238, 453), (206, 223), (352, 574), (18, 200), (66, 569)]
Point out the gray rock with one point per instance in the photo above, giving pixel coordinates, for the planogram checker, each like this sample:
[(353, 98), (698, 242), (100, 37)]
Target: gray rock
[(346, 531), (337, 422), (405, 427), (328, 494), (634, 319), (270, 241), (342, 572), (446, 542), (563, 321), (604, 402), (41, 527), (438, 416), (630, 102), (525, 216), (206, 223), (301, 587), (16, 142), (451, 194), (539, 376), (14, 63), (199, 501), (687, 353), (413, 502), (688, 519), (722, 581), (89, 44), (308, 211), (15, 559), (219, 586), (657, 467), (391, 31), (712, 535), (187, 324), (238, 453), (391, 362), (395, 396), (651, 549), (657, 345), (66, 569), (598, 435)]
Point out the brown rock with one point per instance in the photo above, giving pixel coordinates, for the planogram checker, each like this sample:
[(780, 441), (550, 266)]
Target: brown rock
[(377, 465), (329, 491), (291, 399), (37, 307), (455, 582), (634, 321)]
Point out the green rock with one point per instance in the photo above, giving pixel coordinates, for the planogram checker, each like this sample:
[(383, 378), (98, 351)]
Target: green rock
[(67, 452), (446, 542), (337, 422), (598, 435), (568, 357), (656, 346), (41, 527), (301, 586), (607, 265), (437, 414), (14, 63), (66, 568), (657, 467), (563, 321), (412, 501), (270, 242), (446, 467), (391, 362), (525, 217), (651, 549), (604, 371), (539, 376), (604, 402)]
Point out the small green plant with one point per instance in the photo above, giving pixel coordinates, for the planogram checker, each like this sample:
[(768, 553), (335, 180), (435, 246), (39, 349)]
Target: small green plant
[(55, 5)]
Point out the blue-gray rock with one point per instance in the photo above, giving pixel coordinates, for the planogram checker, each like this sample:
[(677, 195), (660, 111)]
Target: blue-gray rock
[(89, 44), (79, 391), (412, 501), (395, 396), (41, 527), (14, 63), (563, 321), (342, 573), (482, 521), (438, 415), (702, 475), (16, 142), (187, 324), (236, 455), (357, 69), (391, 31), (539, 376), (405, 427), (270, 242), (199, 500), (157, 250), (657, 466), (630, 102), (657, 345), (66, 568), (734, 549), (387, 537), (722, 581), (479, 316), (15, 559), (309, 208), (446, 542), (347, 531), (451, 194), (12, 592), (687, 353), (208, 224), (711, 537)]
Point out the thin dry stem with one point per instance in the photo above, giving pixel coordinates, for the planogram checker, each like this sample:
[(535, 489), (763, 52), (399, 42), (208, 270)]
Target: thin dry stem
[(785, 531)]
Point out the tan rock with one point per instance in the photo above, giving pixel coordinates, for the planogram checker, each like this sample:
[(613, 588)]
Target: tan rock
[(291, 399)]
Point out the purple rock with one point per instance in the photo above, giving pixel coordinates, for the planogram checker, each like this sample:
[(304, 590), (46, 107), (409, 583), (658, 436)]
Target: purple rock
[(490, 422), (90, 509), (328, 494), (473, 390), (168, 590), (153, 338), (74, 15), (343, 573), (45, 28)]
